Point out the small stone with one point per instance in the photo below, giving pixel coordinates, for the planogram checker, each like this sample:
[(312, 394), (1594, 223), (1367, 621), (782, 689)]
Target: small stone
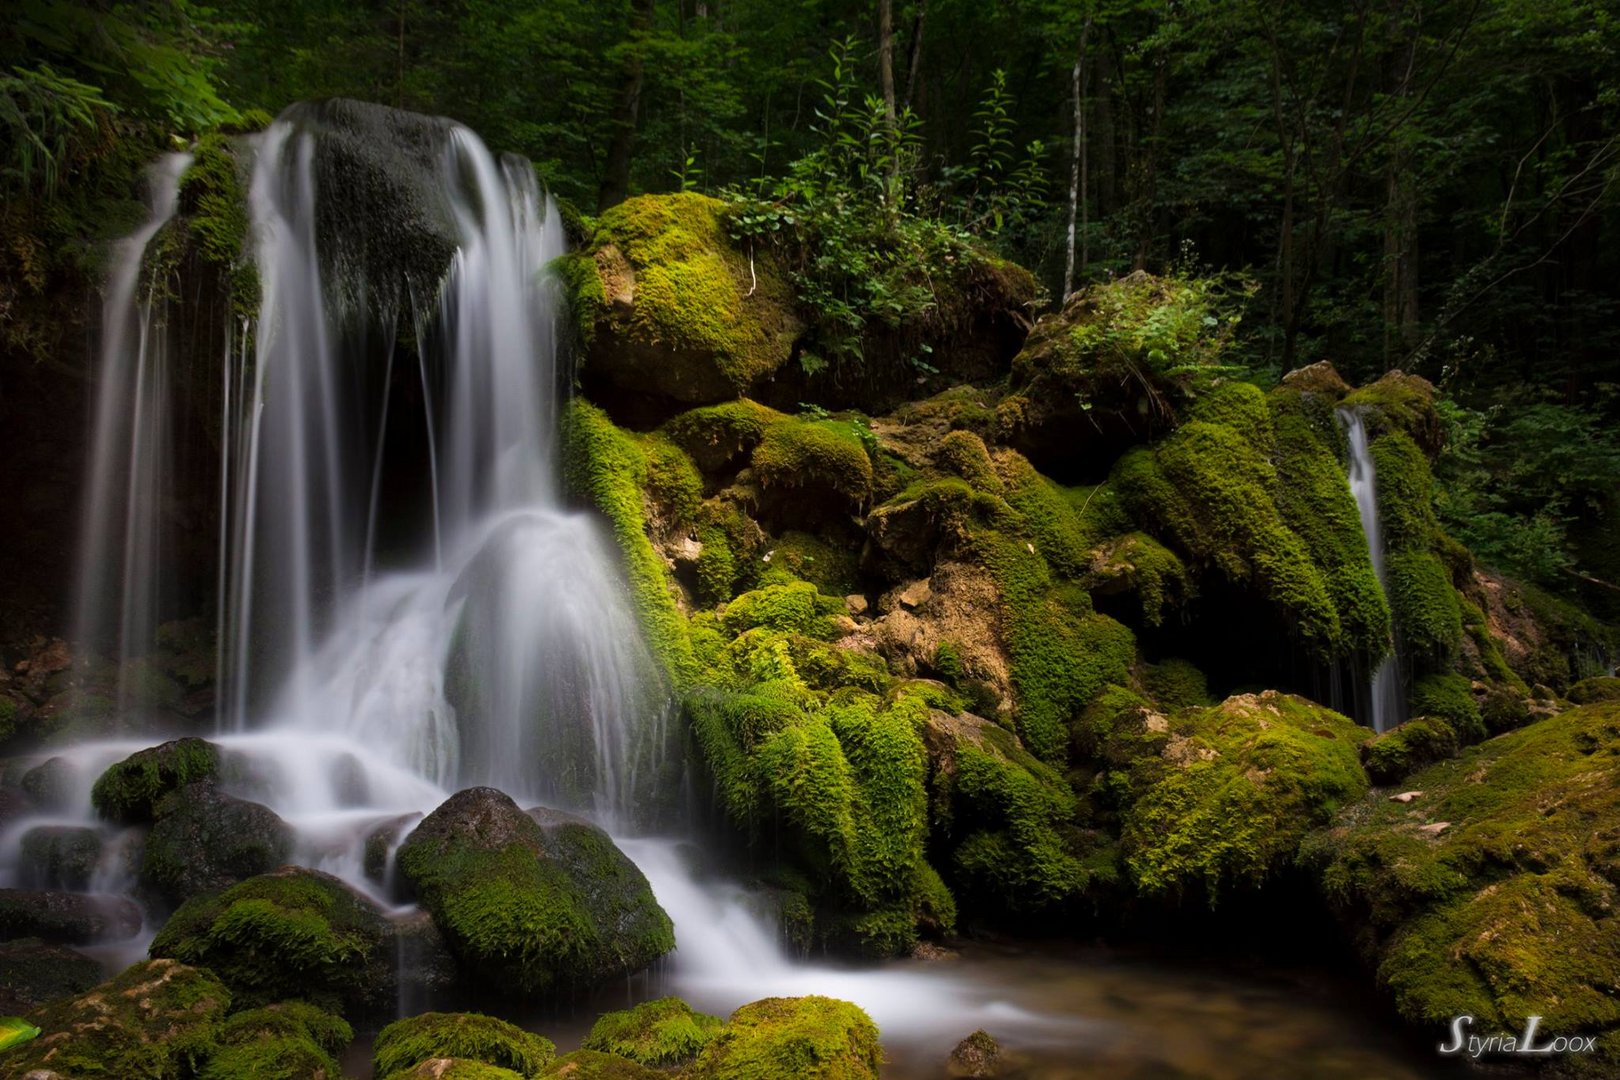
[(915, 595), (1437, 828), (857, 604), (975, 1056), (1406, 796)]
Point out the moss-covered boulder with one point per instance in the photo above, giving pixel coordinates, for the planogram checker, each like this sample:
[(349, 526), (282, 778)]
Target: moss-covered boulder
[(528, 908), (290, 1040), (455, 1069), (406, 1044), (294, 933), (1492, 892), (157, 1021), (814, 1038), (664, 1032), (204, 839), (66, 918), (1400, 752), (1598, 688), (595, 1065), (1218, 799), (668, 305), (129, 792), (33, 973)]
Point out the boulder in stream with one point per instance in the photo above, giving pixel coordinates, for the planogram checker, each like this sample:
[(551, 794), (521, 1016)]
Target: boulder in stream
[(403, 1046), (66, 918), (33, 973), (130, 791), (205, 839)]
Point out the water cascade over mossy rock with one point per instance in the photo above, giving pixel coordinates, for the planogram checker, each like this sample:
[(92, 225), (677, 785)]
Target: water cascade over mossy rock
[(1493, 890), (812, 1038), (294, 933), (472, 1037), (667, 305), (665, 1032), (528, 909), (129, 792), (157, 1021)]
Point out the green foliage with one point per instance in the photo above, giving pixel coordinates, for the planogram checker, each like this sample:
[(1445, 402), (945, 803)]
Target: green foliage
[(130, 790), (664, 1032), (471, 1036), (591, 1065), (47, 118), (816, 1038), (292, 934)]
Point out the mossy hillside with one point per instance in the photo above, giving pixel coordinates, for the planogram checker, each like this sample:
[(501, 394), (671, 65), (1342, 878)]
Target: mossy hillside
[(723, 435), (800, 556), (813, 1038), (1426, 611), (292, 934), (608, 468), (664, 1032), (290, 1040), (1225, 803), (1494, 892), (406, 1043), (676, 308), (815, 455), (158, 1020), (130, 791), (1596, 690)]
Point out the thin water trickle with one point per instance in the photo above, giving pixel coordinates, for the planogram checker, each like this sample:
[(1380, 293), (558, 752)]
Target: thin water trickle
[(1388, 704)]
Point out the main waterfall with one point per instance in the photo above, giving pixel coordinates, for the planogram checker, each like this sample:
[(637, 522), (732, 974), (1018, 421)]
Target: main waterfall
[(1387, 704)]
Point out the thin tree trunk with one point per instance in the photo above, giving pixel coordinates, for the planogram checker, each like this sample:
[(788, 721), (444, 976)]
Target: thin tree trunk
[(1077, 166), (1107, 169), (886, 56), (399, 61), (914, 60), (1400, 208), (615, 185)]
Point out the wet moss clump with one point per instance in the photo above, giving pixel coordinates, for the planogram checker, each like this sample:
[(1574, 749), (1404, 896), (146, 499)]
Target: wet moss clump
[(213, 202), (292, 934), (1397, 754), (473, 1037), (664, 1032), (825, 455), (1494, 893), (1176, 684), (129, 791), (595, 1065), (1449, 697), (290, 1040), (814, 1038)]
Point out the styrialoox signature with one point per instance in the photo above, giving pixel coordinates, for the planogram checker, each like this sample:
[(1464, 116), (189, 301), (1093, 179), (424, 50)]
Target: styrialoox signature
[(1475, 1046)]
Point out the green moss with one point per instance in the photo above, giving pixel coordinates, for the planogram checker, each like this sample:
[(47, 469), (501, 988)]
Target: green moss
[(158, 1020), (821, 454), (1450, 698), (963, 454), (719, 435), (129, 791), (812, 1038), (595, 1065), (1050, 515), (1237, 786), (800, 556), (1509, 909), (663, 1032), (295, 933), (1138, 563), (287, 1041), (1413, 745), (213, 198), (1401, 403), (582, 286), (1176, 684), (1599, 688), (673, 482), (791, 608), (1425, 606), (407, 1043), (1405, 494), (607, 467), (1242, 407)]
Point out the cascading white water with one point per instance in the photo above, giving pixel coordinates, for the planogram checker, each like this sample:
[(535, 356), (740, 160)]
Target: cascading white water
[(1387, 704), (122, 569)]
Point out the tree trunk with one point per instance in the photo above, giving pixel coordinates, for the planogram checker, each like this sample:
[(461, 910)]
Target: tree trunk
[(886, 56), (1400, 205), (616, 175), (914, 60), (1103, 131), (1077, 169)]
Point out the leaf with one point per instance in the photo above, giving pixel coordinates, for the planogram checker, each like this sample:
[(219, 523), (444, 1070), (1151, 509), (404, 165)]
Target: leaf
[(14, 1031)]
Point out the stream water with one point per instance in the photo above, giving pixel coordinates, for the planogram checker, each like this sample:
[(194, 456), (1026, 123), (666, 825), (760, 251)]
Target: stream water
[(505, 651)]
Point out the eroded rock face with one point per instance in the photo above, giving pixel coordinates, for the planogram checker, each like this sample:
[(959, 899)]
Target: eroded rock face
[(529, 908)]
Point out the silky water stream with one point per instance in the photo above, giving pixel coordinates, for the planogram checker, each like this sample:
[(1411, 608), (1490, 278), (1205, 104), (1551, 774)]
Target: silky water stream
[(501, 649)]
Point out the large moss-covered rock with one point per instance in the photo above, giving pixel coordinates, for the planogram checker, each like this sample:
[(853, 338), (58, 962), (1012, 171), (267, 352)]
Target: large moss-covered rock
[(1218, 799), (290, 1040), (528, 908), (812, 1038), (66, 918), (130, 791), (668, 305), (204, 839), (406, 1044), (157, 1021), (1492, 892), (664, 1032), (294, 933), (33, 973)]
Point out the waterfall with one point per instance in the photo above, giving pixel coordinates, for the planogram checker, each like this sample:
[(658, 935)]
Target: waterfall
[(122, 571), (1387, 702)]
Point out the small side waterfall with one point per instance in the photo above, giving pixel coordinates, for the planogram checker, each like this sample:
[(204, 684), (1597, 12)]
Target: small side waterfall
[(1388, 703)]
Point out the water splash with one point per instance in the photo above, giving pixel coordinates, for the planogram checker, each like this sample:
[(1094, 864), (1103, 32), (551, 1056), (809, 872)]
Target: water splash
[(1388, 705)]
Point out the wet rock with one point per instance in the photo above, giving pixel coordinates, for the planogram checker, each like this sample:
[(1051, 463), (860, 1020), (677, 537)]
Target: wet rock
[(291, 934), (130, 791), (380, 844), (429, 973), (205, 839), (66, 918), (154, 1020), (33, 973), (1406, 796), (531, 905), (857, 604), (51, 784), (60, 856), (975, 1056), (1318, 378)]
